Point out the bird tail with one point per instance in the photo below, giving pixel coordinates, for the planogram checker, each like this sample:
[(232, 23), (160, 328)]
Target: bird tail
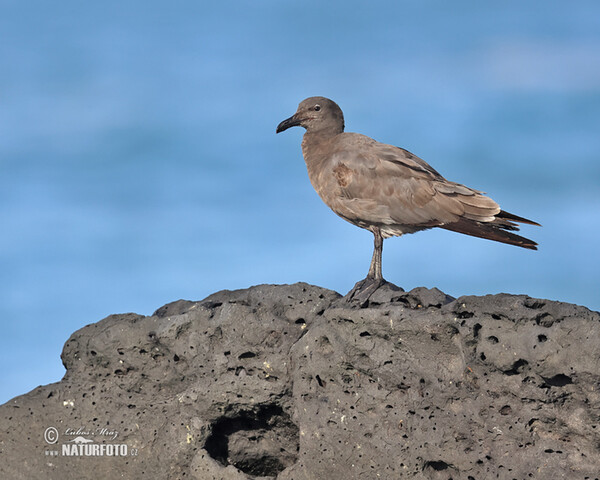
[(516, 218), (496, 230)]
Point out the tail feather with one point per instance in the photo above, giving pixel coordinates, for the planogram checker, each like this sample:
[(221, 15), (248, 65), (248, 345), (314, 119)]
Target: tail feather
[(495, 230), (516, 218)]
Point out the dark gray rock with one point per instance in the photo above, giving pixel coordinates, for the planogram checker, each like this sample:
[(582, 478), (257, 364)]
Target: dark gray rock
[(292, 382)]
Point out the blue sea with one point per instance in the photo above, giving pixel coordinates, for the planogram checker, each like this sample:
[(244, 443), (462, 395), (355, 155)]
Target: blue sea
[(139, 161)]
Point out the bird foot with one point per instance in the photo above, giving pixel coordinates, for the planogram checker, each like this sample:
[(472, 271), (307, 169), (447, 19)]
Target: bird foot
[(363, 290)]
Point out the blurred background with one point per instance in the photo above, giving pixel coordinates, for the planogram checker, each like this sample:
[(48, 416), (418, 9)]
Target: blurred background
[(139, 161)]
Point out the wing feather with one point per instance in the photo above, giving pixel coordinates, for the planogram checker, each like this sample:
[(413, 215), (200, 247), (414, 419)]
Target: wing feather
[(375, 184)]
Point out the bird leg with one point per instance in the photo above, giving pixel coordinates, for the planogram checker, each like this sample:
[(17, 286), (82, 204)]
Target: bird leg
[(367, 287), (375, 268)]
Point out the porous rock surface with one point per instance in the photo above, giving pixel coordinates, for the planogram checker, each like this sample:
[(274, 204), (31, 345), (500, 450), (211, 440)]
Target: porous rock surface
[(292, 382)]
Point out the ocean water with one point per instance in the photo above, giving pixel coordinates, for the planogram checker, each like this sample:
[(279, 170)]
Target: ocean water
[(140, 165)]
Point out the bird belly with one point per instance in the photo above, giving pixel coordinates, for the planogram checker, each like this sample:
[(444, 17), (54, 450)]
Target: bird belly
[(366, 214)]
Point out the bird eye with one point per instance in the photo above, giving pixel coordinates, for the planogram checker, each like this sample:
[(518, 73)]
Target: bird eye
[(317, 108)]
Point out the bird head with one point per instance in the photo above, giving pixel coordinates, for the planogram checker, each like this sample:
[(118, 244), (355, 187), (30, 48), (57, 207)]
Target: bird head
[(316, 115)]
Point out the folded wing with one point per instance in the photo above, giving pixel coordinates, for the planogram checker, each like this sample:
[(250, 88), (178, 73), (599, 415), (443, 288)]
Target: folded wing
[(390, 187)]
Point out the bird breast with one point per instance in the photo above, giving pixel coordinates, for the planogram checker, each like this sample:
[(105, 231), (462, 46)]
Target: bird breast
[(336, 183)]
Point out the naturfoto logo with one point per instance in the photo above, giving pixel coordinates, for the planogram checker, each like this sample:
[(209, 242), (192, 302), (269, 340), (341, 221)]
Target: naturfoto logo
[(79, 444)]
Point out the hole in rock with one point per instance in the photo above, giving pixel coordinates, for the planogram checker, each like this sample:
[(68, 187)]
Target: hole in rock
[(516, 367), (505, 410), (247, 355), (262, 441), (559, 380), (549, 450), (437, 465), (211, 305), (533, 303), (544, 320)]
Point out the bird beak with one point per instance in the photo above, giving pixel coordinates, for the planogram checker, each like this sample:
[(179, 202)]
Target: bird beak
[(293, 121)]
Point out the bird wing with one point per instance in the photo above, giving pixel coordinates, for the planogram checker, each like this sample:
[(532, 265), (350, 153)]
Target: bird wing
[(387, 185)]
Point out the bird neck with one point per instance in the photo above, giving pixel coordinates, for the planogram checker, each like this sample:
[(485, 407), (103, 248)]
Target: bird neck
[(319, 138), (314, 145)]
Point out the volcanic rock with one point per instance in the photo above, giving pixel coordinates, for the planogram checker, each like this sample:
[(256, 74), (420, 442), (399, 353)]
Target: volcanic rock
[(292, 382)]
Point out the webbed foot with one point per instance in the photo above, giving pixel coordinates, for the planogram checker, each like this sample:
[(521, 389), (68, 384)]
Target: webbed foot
[(363, 290)]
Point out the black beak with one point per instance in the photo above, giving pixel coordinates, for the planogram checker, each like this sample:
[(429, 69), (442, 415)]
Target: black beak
[(293, 121)]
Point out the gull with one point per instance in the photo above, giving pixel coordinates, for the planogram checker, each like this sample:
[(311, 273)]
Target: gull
[(388, 190)]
